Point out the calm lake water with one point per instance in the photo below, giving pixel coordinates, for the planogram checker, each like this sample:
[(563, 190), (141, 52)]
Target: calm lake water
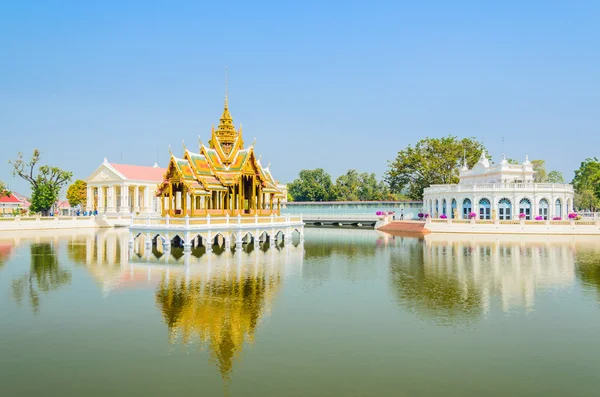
[(346, 313)]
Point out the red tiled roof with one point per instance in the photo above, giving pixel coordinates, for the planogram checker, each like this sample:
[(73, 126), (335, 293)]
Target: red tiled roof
[(140, 173), (9, 199), (63, 204)]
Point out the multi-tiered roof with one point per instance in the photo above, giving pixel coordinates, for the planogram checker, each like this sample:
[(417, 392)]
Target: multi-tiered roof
[(220, 165)]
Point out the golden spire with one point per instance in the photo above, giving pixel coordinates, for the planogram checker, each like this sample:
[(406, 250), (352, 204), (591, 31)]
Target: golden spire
[(226, 131), (226, 78)]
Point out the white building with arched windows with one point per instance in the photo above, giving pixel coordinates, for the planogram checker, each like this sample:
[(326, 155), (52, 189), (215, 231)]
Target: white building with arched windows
[(498, 191)]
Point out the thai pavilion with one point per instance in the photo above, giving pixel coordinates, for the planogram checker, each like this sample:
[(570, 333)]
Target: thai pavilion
[(224, 178), (498, 191)]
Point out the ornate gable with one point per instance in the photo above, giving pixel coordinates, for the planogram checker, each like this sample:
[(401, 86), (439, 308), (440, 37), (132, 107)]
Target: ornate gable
[(105, 173)]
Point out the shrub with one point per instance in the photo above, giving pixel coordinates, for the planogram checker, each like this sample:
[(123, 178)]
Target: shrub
[(557, 218), (421, 215), (572, 215), (472, 215), (522, 215), (443, 216), (539, 218)]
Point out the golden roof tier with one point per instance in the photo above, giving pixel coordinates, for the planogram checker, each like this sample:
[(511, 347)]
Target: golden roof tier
[(222, 179)]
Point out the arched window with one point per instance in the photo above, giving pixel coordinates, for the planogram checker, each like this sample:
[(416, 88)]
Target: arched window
[(444, 206), (504, 209), (437, 207), (453, 205), (467, 208), (568, 207), (525, 208), (485, 209), (558, 208), (543, 209)]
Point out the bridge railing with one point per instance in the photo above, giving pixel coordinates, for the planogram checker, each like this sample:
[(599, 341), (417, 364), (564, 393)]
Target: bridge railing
[(213, 221)]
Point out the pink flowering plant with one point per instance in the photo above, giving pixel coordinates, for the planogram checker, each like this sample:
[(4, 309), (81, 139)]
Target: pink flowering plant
[(472, 215), (443, 216), (522, 215), (539, 218), (557, 218), (572, 215)]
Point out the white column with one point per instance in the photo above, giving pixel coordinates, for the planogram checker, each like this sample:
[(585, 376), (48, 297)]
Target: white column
[(111, 201), (101, 207), (90, 198), (136, 203), (124, 207), (146, 205)]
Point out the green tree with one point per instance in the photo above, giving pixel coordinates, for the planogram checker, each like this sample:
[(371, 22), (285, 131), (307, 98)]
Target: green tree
[(311, 185), (77, 193), (43, 197), (371, 189), (555, 177), (4, 189), (586, 200), (587, 184), (347, 186), (45, 184), (431, 161), (539, 169)]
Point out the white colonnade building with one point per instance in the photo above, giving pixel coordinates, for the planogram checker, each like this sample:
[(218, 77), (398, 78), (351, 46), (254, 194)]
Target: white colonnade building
[(498, 191), (124, 189)]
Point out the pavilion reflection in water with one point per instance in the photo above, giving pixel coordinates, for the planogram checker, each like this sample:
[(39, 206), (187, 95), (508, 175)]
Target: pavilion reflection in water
[(455, 278), (212, 303)]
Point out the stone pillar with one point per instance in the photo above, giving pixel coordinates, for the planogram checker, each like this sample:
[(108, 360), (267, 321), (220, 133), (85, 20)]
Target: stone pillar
[(147, 205), (124, 208), (89, 205), (136, 197), (101, 207)]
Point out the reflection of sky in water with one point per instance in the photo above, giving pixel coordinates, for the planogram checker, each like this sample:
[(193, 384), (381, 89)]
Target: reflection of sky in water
[(345, 304)]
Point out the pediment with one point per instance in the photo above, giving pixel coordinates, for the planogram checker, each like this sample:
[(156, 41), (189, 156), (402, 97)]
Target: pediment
[(105, 174)]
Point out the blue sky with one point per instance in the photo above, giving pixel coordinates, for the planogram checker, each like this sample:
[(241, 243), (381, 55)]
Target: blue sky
[(336, 85)]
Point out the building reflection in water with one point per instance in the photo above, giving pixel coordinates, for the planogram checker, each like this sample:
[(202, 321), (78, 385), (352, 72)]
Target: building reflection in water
[(455, 278), (208, 301)]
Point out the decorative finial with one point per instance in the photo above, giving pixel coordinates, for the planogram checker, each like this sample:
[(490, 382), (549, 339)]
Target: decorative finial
[(170, 150), (105, 161), (200, 141), (254, 141), (526, 158), (226, 84), (183, 144)]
